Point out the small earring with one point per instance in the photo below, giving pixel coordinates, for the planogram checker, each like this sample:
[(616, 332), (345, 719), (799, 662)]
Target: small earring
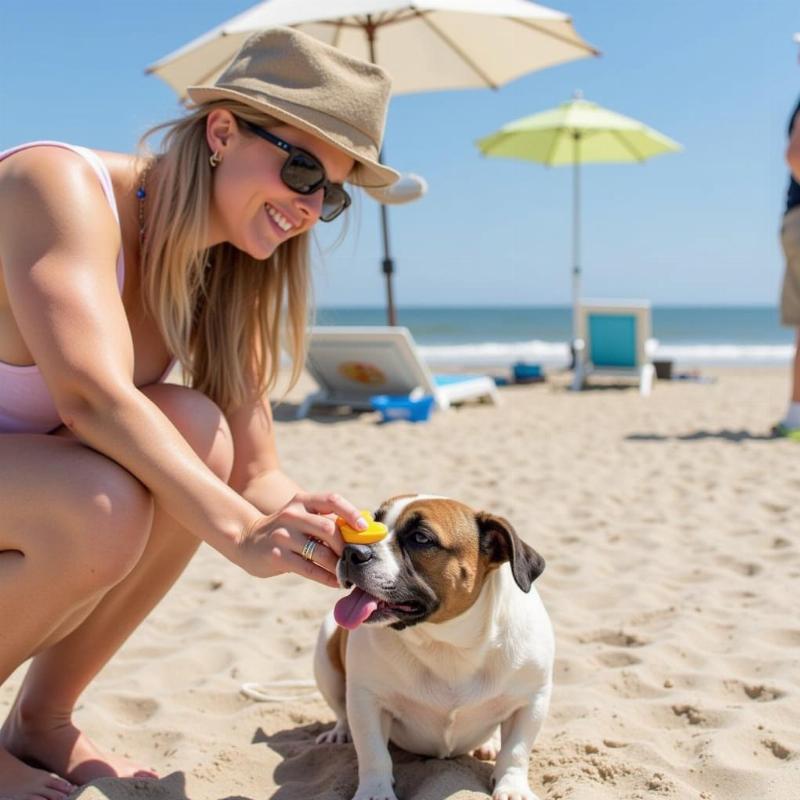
[(214, 159)]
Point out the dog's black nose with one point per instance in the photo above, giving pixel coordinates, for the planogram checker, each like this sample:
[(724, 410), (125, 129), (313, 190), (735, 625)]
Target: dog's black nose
[(357, 554)]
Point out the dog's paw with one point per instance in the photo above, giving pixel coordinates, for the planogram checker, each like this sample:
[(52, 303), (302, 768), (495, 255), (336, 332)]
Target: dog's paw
[(513, 788), (514, 794), (375, 790), (338, 734)]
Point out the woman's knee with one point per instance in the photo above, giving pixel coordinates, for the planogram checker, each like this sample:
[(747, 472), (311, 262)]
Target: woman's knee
[(201, 423), (109, 514)]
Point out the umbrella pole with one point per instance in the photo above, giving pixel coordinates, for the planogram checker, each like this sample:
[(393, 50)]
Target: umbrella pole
[(388, 264), (388, 268), (576, 235)]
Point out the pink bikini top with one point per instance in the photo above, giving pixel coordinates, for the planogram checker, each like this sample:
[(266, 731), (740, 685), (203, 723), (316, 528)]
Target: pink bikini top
[(26, 405)]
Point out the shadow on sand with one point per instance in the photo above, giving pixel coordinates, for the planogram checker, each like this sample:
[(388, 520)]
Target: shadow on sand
[(171, 787), (287, 412), (699, 436), (330, 771)]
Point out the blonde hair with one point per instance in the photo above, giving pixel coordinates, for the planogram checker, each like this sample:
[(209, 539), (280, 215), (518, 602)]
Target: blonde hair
[(220, 311)]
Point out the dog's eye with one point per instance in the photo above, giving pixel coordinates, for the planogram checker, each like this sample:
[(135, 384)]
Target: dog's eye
[(420, 537)]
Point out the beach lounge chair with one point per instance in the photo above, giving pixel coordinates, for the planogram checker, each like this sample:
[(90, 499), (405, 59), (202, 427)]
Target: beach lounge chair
[(613, 338), (351, 364)]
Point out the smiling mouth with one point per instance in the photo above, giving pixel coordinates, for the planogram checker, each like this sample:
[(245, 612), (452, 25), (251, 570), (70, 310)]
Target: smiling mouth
[(361, 606), (278, 218)]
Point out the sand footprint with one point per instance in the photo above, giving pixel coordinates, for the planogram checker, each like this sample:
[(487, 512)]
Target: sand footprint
[(133, 710), (617, 659)]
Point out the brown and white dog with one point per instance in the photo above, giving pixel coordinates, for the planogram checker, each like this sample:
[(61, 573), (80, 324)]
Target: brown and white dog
[(456, 643)]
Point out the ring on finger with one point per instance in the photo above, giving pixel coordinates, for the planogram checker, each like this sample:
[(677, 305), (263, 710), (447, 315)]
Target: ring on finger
[(308, 548)]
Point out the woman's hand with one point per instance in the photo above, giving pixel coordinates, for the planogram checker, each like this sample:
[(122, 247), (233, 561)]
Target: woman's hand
[(274, 544)]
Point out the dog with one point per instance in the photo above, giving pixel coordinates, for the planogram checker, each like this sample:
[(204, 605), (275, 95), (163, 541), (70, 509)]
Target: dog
[(442, 641)]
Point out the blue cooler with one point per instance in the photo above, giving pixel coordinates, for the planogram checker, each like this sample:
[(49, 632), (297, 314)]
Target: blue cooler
[(527, 373), (402, 406)]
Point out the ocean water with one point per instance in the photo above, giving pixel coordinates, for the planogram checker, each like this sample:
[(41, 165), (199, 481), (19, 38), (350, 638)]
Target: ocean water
[(749, 335)]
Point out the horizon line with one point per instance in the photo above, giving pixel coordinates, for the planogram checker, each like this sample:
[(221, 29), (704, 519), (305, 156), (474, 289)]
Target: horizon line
[(568, 306)]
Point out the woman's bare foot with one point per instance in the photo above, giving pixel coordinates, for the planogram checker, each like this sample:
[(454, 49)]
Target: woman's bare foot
[(18, 781), (56, 744)]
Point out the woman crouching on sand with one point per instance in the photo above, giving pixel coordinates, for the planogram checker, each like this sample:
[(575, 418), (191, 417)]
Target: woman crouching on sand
[(113, 268)]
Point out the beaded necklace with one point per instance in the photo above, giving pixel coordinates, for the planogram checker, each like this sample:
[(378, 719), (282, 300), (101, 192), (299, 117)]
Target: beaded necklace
[(141, 193)]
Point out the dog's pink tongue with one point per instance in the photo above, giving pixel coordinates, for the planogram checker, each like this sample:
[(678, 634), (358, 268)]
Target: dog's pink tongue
[(352, 610)]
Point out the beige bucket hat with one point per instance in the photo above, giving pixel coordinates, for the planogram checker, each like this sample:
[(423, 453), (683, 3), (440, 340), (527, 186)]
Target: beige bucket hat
[(304, 82)]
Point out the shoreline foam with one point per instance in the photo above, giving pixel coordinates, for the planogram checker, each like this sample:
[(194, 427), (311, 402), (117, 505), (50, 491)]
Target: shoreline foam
[(556, 354)]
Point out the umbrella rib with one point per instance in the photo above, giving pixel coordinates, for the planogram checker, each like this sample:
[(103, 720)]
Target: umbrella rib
[(339, 24), (566, 40), (457, 50), (359, 23), (498, 138), (628, 146), (401, 15), (553, 146)]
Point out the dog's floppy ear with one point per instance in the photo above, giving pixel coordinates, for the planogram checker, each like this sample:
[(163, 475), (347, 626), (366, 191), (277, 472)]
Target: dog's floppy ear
[(500, 542)]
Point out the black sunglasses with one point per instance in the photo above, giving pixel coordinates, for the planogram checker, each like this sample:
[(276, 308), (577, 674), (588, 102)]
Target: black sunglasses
[(303, 173)]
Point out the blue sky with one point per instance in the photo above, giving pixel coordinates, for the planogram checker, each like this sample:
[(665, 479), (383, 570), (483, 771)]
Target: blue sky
[(699, 227)]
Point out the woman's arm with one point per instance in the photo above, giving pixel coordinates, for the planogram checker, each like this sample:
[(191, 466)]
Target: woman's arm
[(257, 472), (58, 246)]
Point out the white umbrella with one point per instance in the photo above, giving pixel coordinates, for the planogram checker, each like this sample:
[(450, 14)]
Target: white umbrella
[(426, 46)]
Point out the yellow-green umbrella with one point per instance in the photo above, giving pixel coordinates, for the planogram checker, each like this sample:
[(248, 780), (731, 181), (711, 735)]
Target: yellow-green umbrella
[(577, 132)]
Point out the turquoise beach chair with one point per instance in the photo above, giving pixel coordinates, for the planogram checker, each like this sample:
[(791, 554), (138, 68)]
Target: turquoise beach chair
[(614, 339), (351, 364)]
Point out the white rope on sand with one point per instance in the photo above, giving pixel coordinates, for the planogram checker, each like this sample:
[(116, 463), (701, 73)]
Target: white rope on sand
[(280, 691)]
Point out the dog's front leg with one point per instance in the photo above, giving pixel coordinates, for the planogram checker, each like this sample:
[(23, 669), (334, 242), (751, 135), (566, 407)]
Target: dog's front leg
[(518, 733), (369, 728)]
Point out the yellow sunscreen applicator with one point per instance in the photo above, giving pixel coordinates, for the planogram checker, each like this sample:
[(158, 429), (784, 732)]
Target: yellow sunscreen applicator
[(374, 532)]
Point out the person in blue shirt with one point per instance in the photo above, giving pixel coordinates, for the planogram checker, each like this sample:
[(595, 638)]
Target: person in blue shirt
[(790, 294)]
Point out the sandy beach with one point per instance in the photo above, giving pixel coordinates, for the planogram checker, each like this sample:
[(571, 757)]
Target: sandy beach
[(673, 577)]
